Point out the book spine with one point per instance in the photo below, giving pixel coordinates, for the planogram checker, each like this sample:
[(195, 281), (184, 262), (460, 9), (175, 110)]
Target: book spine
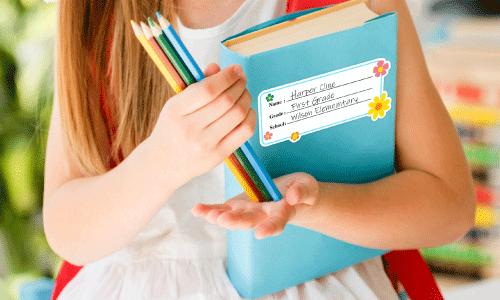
[(238, 243)]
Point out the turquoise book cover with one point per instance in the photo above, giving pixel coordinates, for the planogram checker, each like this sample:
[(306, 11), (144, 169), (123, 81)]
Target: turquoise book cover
[(325, 106)]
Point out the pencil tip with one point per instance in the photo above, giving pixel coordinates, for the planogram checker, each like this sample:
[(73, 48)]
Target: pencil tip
[(146, 30), (151, 22), (137, 29), (155, 29), (163, 22)]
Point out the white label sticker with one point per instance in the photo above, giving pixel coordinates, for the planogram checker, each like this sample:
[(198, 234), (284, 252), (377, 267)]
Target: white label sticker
[(292, 110)]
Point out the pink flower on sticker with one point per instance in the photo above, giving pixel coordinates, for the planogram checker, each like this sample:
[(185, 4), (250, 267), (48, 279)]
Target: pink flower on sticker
[(381, 68), (268, 136)]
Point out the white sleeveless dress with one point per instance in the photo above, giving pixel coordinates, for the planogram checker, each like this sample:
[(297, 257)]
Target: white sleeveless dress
[(179, 256)]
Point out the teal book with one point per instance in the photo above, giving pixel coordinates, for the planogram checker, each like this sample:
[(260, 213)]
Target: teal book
[(325, 106)]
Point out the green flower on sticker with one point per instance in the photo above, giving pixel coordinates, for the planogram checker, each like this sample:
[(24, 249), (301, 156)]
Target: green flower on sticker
[(269, 98)]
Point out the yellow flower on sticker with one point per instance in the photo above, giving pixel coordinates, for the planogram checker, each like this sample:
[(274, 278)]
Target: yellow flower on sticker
[(379, 106)]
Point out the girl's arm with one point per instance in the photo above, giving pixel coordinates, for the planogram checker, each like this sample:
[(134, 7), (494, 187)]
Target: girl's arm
[(88, 218), (429, 202)]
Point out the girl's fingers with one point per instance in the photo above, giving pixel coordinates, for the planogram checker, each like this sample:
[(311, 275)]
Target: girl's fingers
[(231, 118), (215, 111), (203, 209), (211, 69), (269, 219), (241, 219), (238, 136), (201, 93), (214, 214)]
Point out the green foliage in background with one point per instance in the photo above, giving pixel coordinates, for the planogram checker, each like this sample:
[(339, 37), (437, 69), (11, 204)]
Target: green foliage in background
[(27, 30)]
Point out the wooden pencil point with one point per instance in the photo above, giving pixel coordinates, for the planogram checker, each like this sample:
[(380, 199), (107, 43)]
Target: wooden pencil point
[(151, 22), (164, 23), (137, 29), (147, 30), (154, 28)]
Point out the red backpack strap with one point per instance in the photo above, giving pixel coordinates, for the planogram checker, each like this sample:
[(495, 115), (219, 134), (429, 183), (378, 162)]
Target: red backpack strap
[(409, 268), (298, 5), (66, 273)]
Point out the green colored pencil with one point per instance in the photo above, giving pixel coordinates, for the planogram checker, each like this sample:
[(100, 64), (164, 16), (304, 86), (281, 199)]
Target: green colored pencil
[(252, 174), (172, 55)]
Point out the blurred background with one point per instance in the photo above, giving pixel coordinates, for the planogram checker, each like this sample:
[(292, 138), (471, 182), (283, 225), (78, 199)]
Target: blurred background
[(461, 41), (27, 29)]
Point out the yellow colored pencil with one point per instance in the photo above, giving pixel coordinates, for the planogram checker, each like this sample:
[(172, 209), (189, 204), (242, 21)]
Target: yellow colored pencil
[(152, 53), (240, 179)]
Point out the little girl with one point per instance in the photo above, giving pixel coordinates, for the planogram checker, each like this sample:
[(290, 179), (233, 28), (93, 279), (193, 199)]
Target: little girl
[(130, 165)]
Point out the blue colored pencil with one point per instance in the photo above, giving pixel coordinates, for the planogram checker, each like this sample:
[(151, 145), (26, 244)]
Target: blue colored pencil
[(179, 47), (259, 168)]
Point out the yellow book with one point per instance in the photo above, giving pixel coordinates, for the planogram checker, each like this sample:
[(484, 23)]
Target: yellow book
[(475, 115), (485, 216)]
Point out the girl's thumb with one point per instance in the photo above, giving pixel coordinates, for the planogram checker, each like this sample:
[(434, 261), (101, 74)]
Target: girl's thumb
[(303, 190)]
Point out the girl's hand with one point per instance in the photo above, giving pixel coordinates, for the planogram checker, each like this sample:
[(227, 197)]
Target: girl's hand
[(301, 196), (201, 126)]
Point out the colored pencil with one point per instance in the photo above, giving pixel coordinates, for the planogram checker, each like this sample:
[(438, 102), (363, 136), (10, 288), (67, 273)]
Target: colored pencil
[(169, 31), (240, 179), (251, 191), (246, 148), (161, 54), (174, 57), (251, 164), (157, 60), (263, 175), (252, 174), (246, 177)]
